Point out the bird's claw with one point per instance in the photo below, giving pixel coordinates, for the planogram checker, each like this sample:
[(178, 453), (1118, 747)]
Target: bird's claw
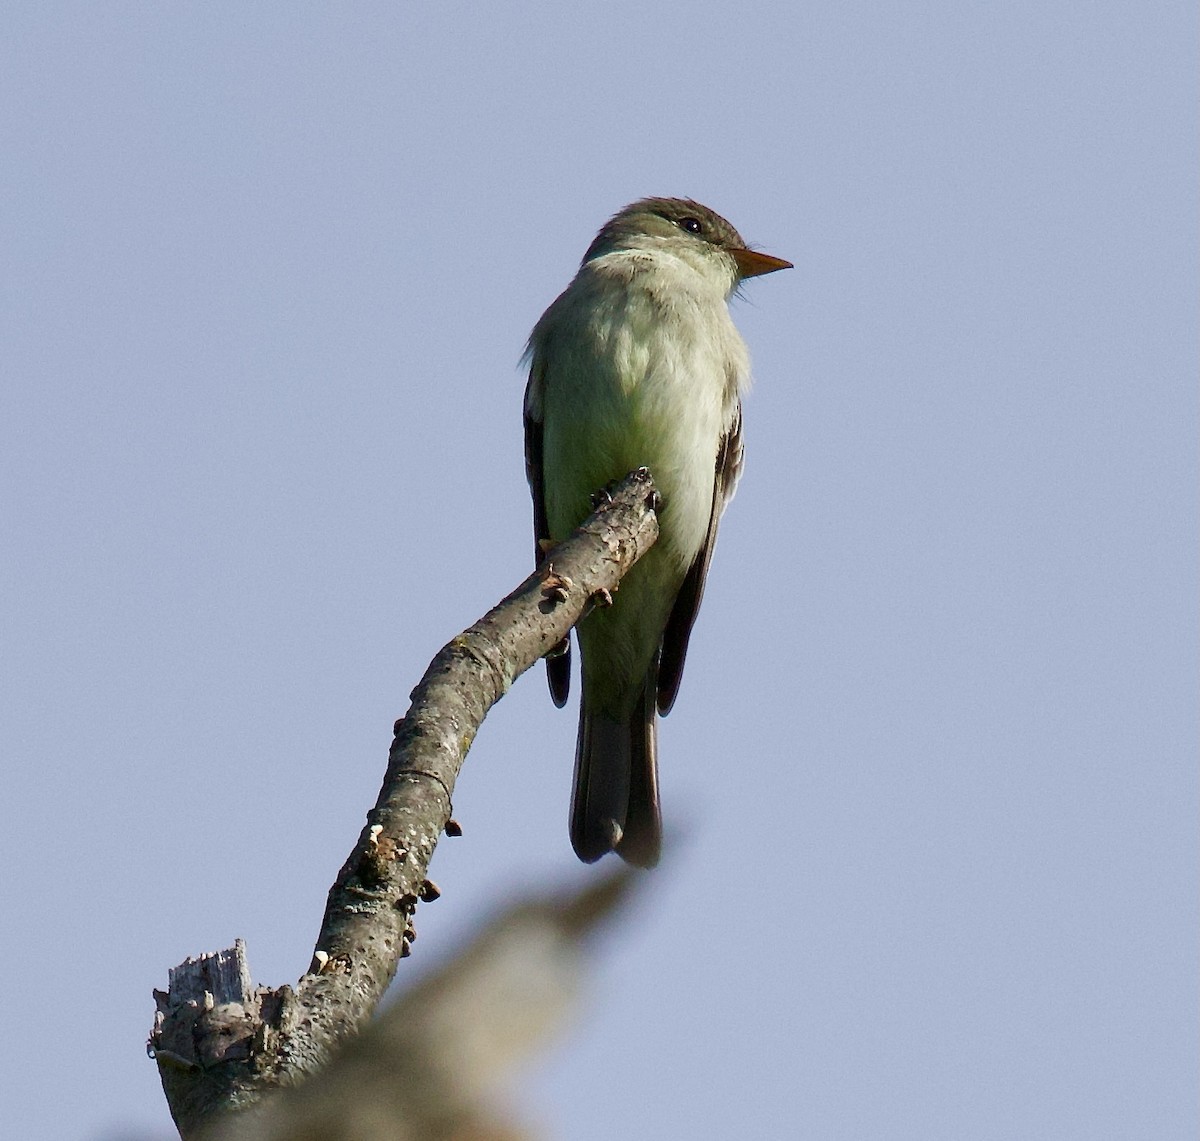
[(555, 586)]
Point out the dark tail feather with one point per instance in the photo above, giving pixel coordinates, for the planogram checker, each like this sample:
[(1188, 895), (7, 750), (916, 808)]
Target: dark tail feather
[(641, 843), (614, 804)]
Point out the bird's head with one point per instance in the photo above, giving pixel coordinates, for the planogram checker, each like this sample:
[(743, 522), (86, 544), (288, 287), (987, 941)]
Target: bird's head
[(687, 229)]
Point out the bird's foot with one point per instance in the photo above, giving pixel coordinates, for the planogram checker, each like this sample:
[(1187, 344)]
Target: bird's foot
[(555, 586)]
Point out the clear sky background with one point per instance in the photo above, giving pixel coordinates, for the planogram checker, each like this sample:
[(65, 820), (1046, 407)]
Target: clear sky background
[(267, 273)]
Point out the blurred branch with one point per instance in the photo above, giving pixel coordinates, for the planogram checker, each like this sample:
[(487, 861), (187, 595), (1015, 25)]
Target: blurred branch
[(221, 1044), (433, 1065)]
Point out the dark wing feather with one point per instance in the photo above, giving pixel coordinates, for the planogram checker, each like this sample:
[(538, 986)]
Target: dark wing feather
[(687, 601), (558, 667)]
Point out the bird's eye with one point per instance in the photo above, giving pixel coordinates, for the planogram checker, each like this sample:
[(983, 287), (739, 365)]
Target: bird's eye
[(692, 225)]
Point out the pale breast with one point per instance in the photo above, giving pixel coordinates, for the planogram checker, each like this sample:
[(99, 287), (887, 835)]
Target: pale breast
[(640, 365)]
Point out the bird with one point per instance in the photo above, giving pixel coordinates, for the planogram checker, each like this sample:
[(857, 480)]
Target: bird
[(637, 363)]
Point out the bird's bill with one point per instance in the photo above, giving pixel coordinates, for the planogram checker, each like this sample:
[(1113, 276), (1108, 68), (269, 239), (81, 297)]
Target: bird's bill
[(751, 263)]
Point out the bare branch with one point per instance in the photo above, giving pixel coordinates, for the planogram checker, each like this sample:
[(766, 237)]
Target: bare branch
[(222, 1046)]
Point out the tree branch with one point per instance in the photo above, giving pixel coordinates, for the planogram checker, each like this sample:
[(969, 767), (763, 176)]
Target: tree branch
[(220, 1045)]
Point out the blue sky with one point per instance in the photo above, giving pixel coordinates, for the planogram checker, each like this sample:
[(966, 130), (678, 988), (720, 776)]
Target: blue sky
[(931, 777)]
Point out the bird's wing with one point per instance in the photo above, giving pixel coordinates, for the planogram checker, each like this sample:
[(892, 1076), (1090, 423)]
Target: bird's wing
[(687, 602), (558, 665)]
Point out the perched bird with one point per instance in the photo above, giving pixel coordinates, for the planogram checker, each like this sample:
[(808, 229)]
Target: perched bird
[(638, 364)]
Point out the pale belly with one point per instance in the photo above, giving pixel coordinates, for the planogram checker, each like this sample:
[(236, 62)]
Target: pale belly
[(598, 432), (603, 419)]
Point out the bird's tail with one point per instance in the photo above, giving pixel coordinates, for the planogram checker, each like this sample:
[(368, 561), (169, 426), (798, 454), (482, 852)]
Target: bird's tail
[(614, 802)]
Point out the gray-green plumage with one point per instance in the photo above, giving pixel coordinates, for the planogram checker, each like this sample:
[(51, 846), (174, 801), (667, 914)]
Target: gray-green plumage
[(638, 364)]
